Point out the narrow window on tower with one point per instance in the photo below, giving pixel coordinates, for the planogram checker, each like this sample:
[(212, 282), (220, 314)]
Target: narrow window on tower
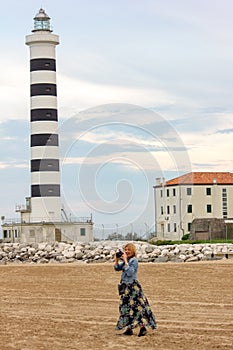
[(224, 203), (225, 214)]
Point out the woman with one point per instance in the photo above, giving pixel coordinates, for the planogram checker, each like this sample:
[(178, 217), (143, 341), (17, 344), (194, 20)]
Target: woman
[(134, 307)]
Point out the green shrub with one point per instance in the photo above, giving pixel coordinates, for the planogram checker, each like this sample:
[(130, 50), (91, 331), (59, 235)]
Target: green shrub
[(185, 237), (169, 242)]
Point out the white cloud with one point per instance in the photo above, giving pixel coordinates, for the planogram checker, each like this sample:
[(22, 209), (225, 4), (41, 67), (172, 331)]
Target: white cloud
[(8, 138), (211, 18), (14, 90), (10, 165), (76, 95)]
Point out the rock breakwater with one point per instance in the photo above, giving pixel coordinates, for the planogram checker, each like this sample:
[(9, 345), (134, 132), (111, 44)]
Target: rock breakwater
[(103, 251)]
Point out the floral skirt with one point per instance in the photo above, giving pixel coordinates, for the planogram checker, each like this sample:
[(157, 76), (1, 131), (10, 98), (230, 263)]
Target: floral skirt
[(134, 308)]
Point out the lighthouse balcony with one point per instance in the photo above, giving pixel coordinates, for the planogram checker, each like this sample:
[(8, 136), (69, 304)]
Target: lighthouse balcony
[(83, 219), (22, 208), (46, 220)]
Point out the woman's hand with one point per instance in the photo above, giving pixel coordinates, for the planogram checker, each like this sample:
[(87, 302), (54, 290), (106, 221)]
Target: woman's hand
[(125, 258)]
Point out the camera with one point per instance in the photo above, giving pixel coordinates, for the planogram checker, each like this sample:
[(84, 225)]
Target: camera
[(119, 253)]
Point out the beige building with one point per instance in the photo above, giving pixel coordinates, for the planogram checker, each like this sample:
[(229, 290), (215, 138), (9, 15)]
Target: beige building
[(76, 230), (191, 196)]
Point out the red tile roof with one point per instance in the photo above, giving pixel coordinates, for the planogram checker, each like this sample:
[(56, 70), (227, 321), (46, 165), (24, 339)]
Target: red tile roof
[(202, 178)]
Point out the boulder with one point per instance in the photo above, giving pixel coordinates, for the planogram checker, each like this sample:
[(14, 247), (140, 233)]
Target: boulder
[(105, 251)]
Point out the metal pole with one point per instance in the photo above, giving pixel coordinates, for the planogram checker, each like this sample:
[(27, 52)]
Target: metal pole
[(103, 231), (117, 232), (147, 230), (226, 243)]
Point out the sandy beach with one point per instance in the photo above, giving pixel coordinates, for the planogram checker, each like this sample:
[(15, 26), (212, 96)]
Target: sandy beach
[(75, 306)]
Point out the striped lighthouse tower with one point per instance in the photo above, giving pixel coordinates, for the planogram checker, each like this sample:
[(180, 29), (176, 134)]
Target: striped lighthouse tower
[(45, 175), (43, 218)]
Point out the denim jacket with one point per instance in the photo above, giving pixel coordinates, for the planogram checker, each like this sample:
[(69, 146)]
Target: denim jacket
[(129, 273)]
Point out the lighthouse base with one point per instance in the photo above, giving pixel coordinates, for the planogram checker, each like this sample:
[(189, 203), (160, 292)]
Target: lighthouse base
[(48, 232)]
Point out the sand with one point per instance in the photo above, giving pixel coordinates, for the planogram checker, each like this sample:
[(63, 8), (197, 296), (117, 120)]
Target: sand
[(75, 306)]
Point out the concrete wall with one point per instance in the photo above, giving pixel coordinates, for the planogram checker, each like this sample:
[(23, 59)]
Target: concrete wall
[(208, 229)]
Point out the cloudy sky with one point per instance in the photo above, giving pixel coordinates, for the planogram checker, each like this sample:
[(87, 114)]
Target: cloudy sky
[(144, 91)]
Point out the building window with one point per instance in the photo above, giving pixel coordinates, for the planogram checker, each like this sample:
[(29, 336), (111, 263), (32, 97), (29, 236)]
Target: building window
[(174, 192), (167, 192), (161, 210), (32, 233), (189, 226), (189, 191), (82, 231), (209, 208), (174, 209), (208, 191), (4, 233), (224, 203), (168, 209), (168, 228), (189, 208), (161, 193), (174, 227)]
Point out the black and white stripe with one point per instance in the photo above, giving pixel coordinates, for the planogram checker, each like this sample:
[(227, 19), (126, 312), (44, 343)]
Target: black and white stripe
[(45, 170)]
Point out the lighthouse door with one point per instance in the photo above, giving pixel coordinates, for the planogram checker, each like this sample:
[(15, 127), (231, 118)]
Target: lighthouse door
[(57, 235)]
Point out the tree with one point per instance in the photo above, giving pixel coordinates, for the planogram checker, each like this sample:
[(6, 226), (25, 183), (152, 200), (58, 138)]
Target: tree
[(115, 237), (131, 236)]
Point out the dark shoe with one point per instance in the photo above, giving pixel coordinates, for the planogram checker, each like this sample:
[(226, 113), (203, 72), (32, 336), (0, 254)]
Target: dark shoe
[(128, 332), (142, 332)]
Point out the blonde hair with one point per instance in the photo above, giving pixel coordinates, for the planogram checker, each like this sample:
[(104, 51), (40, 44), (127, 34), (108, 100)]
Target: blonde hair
[(132, 248)]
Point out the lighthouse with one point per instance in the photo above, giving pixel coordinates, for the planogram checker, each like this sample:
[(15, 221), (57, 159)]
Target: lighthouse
[(43, 218), (44, 140)]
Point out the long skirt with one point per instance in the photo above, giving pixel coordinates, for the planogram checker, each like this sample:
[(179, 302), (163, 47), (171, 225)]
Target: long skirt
[(134, 308)]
